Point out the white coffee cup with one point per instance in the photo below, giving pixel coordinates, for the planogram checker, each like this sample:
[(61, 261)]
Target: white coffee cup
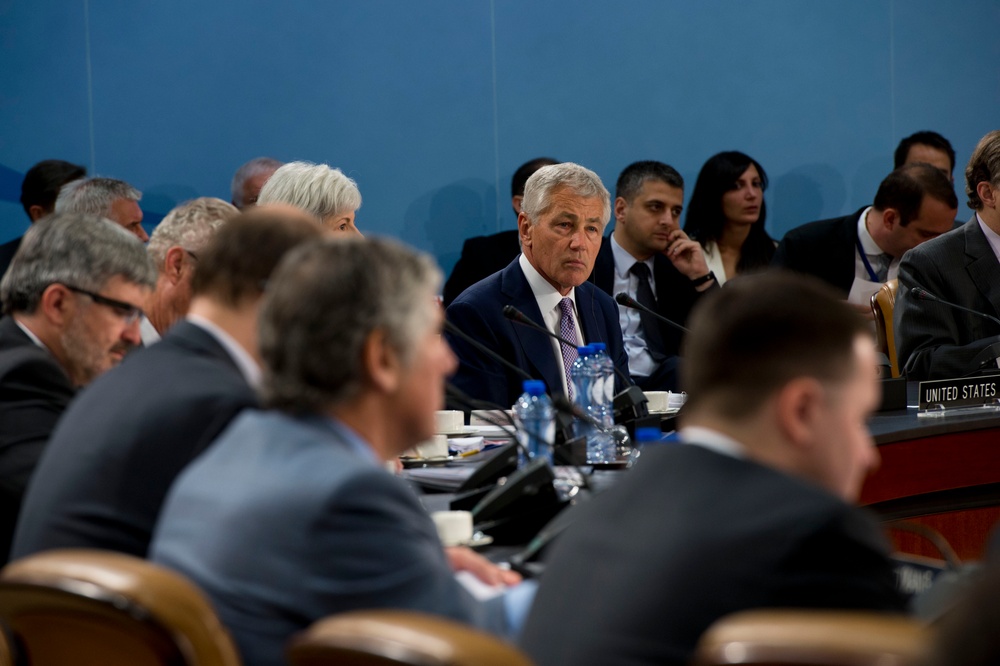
[(435, 447), (449, 421), (676, 400), (658, 400), (454, 528)]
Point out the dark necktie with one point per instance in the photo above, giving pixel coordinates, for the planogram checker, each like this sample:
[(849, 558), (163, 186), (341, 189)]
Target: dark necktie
[(650, 326), (567, 329)]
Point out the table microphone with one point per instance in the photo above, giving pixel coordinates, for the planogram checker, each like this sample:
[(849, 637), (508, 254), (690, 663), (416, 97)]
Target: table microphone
[(924, 295), (624, 299), (456, 331), (515, 315)]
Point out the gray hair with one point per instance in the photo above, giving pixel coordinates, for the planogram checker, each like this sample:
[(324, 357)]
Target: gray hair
[(582, 181), (323, 302), (984, 165), (315, 188), (94, 196), (254, 167), (189, 225), (82, 251)]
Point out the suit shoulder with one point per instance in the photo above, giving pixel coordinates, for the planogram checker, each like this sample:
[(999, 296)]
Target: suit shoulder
[(29, 366), (820, 231)]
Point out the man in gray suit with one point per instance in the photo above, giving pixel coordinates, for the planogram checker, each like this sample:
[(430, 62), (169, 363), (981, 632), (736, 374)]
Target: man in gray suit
[(290, 515), (933, 340)]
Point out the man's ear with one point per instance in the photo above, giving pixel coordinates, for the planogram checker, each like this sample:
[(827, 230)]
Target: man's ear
[(382, 366), (797, 407), (36, 212), (57, 305), (890, 218), (524, 229), (173, 264), (620, 206), (986, 194)]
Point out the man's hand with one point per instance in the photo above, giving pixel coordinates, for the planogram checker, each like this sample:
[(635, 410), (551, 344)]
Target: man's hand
[(686, 255), (464, 559)]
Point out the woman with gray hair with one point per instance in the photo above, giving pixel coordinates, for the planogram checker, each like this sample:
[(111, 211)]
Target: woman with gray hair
[(319, 189)]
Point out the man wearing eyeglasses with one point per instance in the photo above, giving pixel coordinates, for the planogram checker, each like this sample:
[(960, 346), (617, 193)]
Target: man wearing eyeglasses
[(72, 299)]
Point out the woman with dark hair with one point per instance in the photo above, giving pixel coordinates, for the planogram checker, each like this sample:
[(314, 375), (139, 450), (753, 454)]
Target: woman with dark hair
[(727, 214)]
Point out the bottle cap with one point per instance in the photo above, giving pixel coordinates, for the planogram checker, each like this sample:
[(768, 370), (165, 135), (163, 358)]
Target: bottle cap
[(645, 435), (533, 387), (599, 346)]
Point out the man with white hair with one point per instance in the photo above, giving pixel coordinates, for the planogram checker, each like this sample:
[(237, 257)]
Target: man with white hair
[(72, 297), (249, 178), (319, 189), (113, 199), (174, 248), (561, 223)]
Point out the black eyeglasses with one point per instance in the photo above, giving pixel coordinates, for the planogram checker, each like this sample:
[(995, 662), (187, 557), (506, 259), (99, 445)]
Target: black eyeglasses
[(126, 311), (193, 255)]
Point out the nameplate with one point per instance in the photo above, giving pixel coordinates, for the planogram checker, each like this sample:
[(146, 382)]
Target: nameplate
[(965, 393)]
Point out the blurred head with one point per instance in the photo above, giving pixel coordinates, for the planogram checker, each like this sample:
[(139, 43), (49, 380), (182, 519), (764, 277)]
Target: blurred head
[(79, 282), (348, 319), (982, 176), (113, 199), (236, 264), (42, 183), (649, 198), (521, 177), (249, 178), (318, 189), (927, 147), (175, 248), (562, 220), (785, 350), (730, 192), (917, 202)]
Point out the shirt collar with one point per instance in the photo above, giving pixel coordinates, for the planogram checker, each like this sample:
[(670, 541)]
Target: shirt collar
[(624, 261), (867, 242), (545, 294), (354, 441), (712, 440), (27, 331), (148, 332), (244, 361)]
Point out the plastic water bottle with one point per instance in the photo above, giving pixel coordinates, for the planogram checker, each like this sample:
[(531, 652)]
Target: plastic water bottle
[(534, 412), (585, 376), (604, 386)]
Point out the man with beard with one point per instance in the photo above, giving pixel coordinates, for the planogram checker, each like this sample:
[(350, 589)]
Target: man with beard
[(72, 298)]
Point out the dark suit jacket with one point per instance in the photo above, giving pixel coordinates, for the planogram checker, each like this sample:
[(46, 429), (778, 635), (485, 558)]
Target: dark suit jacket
[(934, 341), (478, 313), (692, 536), (825, 249), (282, 522), (674, 294), (7, 252), (122, 442), (34, 391), (482, 256)]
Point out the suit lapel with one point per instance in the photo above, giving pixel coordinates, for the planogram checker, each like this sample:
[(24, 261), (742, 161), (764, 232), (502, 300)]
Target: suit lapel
[(535, 346), (842, 260), (982, 266)]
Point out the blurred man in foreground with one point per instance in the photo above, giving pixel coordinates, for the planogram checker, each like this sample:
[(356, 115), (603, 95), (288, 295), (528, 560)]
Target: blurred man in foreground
[(290, 515), (752, 509)]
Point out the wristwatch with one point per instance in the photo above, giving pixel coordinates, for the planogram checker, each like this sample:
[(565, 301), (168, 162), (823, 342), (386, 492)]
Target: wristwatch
[(697, 282)]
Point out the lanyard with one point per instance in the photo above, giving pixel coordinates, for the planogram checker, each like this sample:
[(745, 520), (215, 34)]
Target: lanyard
[(864, 259)]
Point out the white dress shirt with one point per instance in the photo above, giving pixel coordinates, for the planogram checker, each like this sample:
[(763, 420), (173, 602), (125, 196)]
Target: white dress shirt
[(548, 299), (244, 361), (640, 363)]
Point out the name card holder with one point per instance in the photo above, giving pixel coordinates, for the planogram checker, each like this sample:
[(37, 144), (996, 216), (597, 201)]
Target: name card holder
[(965, 395)]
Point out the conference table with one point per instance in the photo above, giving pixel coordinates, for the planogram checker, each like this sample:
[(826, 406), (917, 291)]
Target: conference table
[(937, 475)]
